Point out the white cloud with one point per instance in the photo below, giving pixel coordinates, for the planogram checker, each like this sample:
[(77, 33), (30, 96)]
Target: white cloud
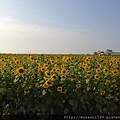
[(7, 19), (24, 38)]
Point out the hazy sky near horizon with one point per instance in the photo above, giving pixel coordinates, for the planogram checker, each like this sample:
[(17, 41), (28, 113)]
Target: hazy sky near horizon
[(59, 26)]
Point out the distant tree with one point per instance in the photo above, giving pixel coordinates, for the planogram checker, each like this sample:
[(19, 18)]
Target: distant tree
[(95, 53)]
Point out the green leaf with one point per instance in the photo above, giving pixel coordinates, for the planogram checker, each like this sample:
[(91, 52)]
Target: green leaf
[(0, 97), (48, 100), (38, 108), (99, 107), (44, 92), (105, 109), (22, 109), (2, 90), (76, 104), (42, 81), (66, 110), (87, 81), (3, 103), (71, 102), (29, 108), (81, 100), (51, 111), (88, 88), (44, 108)]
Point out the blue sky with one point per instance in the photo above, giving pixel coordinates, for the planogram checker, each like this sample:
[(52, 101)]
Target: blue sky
[(59, 26)]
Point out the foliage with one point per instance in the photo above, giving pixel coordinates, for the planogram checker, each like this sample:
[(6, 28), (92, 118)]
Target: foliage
[(59, 84)]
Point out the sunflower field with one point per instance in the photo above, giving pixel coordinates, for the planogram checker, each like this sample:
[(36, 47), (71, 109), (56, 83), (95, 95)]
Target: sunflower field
[(41, 84)]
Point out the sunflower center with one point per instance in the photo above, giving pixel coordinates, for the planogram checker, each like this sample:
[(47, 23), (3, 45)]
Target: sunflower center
[(21, 70), (49, 82)]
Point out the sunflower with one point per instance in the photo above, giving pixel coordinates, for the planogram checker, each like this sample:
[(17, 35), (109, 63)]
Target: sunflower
[(78, 85), (57, 70), (101, 82), (11, 62), (117, 62), (96, 77), (114, 81), (39, 67), (102, 92), (36, 85), (6, 116), (54, 77), (73, 77), (44, 86), (101, 65), (51, 61), (45, 65), (114, 72), (32, 77), (53, 69), (42, 69), (5, 64), (47, 74), (31, 58), (107, 82), (97, 70), (26, 91), (86, 60), (63, 76), (59, 89), (56, 66), (105, 70), (89, 73), (49, 83), (63, 71), (12, 72), (99, 55), (17, 62), (14, 58), (63, 66), (37, 61), (20, 70)]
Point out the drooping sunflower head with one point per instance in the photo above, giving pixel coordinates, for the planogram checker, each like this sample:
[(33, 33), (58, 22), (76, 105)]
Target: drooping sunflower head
[(54, 77), (48, 83), (47, 73), (26, 91), (44, 86)]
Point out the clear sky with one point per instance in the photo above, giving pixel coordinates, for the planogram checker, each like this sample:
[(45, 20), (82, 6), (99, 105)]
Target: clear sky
[(59, 26)]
